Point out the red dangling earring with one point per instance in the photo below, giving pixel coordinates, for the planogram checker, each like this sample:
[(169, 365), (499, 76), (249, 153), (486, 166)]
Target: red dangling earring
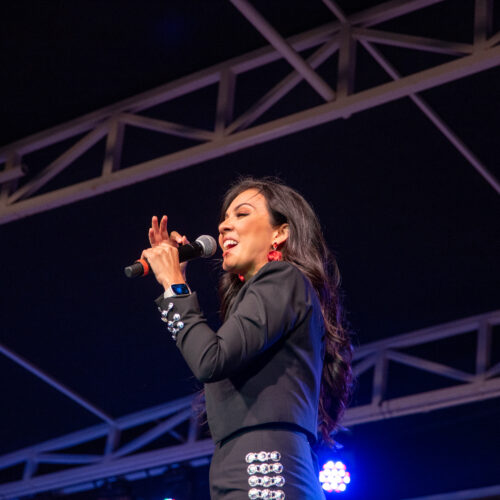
[(274, 254), (241, 277)]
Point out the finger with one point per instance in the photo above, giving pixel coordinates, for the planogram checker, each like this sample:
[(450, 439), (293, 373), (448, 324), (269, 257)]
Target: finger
[(151, 236), (154, 231), (185, 241), (163, 227), (175, 236), (154, 223)]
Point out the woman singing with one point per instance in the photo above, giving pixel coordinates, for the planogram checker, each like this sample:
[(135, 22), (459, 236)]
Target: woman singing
[(277, 373)]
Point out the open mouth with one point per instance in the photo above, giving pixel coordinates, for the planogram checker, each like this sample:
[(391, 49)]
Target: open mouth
[(228, 245)]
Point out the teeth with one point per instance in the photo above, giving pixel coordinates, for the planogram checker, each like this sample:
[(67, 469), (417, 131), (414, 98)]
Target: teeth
[(230, 242)]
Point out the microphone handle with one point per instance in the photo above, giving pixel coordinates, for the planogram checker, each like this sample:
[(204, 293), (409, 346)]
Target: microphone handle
[(138, 268), (141, 267)]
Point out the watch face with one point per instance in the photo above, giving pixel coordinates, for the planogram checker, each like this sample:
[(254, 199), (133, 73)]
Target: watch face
[(180, 289)]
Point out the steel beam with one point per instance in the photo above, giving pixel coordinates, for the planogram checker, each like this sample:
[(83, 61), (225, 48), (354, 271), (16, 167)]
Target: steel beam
[(166, 127), (422, 403), (10, 174), (225, 101), (59, 164), (97, 431), (280, 44), (459, 145), (346, 63), (413, 42), (228, 137), (282, 88), (63, 389), (336, 10), (318, 115), (77, 475), (389, 10), (114, 147), (167, 92), (483, 22), (431, 334)]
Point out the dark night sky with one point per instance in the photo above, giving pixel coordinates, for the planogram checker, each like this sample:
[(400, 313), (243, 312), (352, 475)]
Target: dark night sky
[(413, 225)]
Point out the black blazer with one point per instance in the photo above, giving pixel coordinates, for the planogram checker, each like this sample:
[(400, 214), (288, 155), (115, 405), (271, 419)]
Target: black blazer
[(264, 364)]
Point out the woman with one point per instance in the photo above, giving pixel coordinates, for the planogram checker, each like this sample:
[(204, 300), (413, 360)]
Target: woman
[(278, 369)]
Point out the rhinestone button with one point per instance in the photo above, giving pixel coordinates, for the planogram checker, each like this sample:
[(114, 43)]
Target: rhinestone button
[(278, 468), (267, 481), (253, 494), (252, 469), (253, 481)]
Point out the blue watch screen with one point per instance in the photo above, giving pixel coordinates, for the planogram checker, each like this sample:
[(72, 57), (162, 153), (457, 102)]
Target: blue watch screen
[(180, 289)]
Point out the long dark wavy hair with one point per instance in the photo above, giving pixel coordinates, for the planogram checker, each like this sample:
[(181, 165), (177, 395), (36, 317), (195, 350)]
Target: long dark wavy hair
[(306, 249)]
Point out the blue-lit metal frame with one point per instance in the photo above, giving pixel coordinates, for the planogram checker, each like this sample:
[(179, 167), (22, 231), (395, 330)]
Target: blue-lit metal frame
[(122, 458)]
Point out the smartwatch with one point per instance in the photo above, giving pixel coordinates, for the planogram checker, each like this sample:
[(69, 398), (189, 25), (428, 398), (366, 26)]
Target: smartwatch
[(177, 290)]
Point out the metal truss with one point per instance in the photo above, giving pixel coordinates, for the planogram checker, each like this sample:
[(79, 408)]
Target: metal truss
[(20, 193), (121, 457)]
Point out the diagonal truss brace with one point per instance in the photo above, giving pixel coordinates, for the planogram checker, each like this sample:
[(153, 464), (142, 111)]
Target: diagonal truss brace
[(127, 457), (482, 30), (63, 389)]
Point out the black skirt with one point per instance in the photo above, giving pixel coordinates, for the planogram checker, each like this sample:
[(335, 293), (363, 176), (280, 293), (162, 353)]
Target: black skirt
[(270, 463)]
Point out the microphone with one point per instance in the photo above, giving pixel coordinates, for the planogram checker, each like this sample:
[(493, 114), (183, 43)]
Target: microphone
[(204, 246)]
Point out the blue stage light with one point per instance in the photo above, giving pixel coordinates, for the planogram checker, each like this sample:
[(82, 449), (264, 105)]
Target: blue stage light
[(334, 477)]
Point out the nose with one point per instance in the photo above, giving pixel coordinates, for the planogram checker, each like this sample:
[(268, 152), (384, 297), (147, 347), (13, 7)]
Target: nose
[(225, 226)]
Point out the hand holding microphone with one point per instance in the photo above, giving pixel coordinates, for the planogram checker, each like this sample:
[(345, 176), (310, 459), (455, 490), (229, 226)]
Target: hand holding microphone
[(165, 254)]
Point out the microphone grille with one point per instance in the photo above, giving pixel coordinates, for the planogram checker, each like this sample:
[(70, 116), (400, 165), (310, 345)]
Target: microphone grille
[(208, 244)]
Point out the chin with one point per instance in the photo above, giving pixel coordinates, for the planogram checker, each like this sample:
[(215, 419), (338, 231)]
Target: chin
[(227, 267), (233, 269)]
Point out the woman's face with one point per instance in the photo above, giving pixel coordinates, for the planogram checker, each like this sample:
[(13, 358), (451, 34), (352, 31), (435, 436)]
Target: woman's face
[(246, 235)]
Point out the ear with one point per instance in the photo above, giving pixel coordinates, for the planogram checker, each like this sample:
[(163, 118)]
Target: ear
[(281, 234)]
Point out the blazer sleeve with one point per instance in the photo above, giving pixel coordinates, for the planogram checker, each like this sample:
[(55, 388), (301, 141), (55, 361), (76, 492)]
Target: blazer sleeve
[(274, 302)]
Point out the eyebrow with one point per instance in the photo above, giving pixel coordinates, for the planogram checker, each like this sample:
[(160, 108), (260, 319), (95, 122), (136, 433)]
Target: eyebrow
[(240, 205)]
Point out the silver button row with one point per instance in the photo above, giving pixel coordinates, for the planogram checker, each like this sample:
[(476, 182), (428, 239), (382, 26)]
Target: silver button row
[(265, 468), (255, 493), (266, 481), (263, 456)]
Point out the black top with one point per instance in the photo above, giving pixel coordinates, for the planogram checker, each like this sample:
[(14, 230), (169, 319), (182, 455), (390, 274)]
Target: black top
[(264, 364)]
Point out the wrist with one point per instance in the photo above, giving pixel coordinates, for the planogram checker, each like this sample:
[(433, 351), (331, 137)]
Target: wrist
[(175, 280), (177, 290)]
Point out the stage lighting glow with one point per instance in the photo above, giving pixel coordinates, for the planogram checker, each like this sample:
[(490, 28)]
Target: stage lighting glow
[(334, 477)]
